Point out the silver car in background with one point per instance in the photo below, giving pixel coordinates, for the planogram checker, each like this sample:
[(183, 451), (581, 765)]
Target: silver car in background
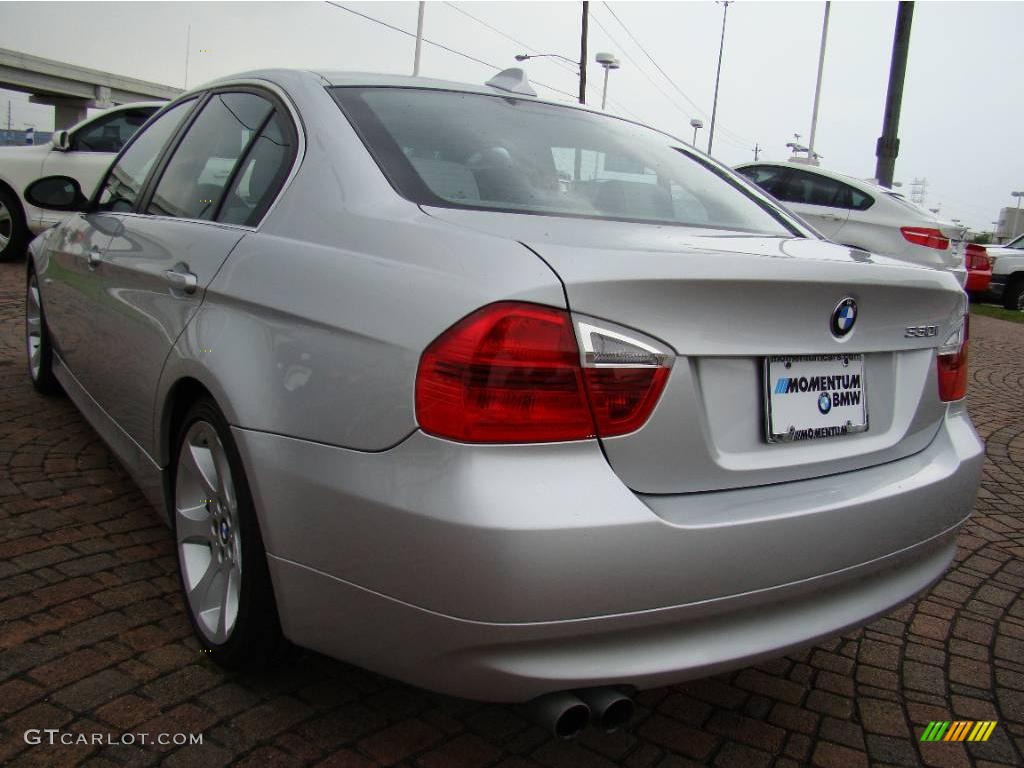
[(500, 397), (862, 214)]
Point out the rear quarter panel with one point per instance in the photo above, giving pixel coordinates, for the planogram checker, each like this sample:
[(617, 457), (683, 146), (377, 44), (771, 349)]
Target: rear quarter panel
[(322, 343)]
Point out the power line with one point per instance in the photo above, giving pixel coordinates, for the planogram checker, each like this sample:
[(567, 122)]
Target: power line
[(494, 29), (671, 82), (642, 71), (639, 69), (440, 45)]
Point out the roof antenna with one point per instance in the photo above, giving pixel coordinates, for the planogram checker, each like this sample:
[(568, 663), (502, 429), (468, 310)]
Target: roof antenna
[(512, 80)]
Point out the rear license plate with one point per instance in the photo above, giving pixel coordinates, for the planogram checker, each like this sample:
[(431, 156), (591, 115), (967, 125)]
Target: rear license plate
[(808, 397)]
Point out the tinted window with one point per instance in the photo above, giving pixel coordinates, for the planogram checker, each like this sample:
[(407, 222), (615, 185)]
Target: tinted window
[(858, 200), (486, 152), (260, 175), (767, 177), (194, 180), (124, 181), (811, 189), (110, 133)]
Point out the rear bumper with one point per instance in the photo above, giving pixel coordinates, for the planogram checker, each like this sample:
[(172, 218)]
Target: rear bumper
[(504, 572)]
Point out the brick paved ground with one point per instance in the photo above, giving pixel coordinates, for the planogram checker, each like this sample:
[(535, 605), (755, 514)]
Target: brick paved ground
[(93, 638)]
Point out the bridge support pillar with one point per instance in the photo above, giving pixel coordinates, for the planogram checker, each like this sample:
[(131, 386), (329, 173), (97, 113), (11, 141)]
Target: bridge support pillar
[(67, 111)]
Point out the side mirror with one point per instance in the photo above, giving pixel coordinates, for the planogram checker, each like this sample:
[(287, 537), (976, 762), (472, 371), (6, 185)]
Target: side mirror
[(61, 141), (56, 193)]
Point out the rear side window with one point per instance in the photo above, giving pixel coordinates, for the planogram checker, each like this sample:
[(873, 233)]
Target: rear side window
[(260, 174), (201, 167), (859, 201), (124, 181), (111, 132), (484, 152), (811, 189)]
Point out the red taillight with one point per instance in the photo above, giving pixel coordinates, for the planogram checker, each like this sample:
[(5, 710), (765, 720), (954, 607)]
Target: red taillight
[(929, 238), (952, 366), (977, 258), (511, 373), (623, 398)]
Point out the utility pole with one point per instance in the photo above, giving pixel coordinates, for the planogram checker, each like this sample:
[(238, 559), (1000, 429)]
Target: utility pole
[(188, 45), (583, 53), (817, 87), (888, 146), (757, 150), (718, 75), (419, 41)]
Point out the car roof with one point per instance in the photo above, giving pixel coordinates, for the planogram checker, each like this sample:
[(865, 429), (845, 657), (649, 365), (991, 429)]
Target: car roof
[(282, 77)]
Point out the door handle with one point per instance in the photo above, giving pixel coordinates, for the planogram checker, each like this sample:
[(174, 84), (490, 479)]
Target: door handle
[(94, 257), (181, 279)]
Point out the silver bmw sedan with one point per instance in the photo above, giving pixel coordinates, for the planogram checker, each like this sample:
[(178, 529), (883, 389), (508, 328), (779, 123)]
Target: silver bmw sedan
[(500, 397)]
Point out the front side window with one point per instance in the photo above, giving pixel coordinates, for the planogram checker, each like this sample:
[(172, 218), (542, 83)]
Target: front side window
[(770, 178), (194, 180), (124, 181), (466, 150), (110, 133)]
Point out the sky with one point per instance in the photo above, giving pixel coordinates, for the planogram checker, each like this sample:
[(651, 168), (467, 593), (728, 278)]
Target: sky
[(961, 117)]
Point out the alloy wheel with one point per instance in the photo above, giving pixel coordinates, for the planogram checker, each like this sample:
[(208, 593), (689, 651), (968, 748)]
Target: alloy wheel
[(33, 325), (208, 533), (6, 225)]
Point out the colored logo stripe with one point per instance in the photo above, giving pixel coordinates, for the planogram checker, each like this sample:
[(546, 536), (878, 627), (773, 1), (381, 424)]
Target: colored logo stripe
[(958, 730)]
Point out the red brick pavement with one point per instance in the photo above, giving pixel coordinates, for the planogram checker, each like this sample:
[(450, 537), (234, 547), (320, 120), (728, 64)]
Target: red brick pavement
[(93, 638)]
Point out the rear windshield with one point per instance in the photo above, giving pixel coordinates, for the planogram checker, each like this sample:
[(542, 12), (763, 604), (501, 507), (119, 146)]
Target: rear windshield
[(465, 150)]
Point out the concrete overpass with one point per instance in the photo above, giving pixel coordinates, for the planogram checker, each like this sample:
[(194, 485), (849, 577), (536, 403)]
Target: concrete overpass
[(71, 89)]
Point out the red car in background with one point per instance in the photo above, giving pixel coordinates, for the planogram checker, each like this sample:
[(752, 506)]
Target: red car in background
[(979, 269)]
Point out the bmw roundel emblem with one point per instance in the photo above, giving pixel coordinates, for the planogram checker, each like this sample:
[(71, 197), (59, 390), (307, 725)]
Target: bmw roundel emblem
[(843, 317), (824, 403)]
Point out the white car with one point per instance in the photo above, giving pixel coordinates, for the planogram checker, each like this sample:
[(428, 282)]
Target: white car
[(862, 214), (82, 152), (1007, 284)]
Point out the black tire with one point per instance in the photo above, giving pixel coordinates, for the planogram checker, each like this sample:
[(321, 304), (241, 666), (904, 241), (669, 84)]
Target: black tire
[(255, 641), (13, 228), (37, 340), (1013, 296)]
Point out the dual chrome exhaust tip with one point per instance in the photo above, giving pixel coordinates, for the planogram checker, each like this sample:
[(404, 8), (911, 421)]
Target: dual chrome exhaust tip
[(566, 713)]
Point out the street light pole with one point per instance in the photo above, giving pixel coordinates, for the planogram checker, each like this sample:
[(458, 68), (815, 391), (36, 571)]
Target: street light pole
[(696, 123), (1016, 215), (609, 62), (718, 74), (419, 40), (817, 87)]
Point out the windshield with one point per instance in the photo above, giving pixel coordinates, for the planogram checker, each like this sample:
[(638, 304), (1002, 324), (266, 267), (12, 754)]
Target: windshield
[(467, 150)]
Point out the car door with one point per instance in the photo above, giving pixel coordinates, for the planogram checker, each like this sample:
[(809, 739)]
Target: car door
[(163, 254), (91, 149), (74, 277), (815, 198)]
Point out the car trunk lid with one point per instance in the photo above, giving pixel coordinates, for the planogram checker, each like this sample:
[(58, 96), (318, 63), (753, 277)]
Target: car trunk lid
[(724, 302)]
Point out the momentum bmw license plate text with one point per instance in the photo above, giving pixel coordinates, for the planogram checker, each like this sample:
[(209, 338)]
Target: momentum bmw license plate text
[(814, 396)]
